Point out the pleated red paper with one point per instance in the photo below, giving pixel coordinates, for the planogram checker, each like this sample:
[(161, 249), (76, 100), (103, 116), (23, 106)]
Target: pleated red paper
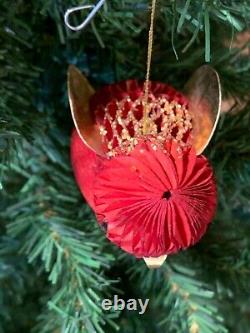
[(155, 203)]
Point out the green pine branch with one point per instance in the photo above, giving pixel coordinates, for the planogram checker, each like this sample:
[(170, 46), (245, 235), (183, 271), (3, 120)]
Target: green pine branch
[(14, 274), (74, 264), (42, 220), (182, 300)]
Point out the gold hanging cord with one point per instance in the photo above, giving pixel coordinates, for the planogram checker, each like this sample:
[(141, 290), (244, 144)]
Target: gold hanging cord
[(149, 60)]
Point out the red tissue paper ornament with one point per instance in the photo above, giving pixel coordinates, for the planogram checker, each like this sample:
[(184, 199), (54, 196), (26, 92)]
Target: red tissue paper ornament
[(144, 177)]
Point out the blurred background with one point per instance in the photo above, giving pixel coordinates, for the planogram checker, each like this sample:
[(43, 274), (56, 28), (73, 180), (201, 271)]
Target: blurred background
[(55, 263)]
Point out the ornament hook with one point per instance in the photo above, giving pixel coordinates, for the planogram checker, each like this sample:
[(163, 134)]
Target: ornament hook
[(88, 18)]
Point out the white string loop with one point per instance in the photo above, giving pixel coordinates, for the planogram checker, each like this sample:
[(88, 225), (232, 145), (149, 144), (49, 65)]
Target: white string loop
[(88, 18)]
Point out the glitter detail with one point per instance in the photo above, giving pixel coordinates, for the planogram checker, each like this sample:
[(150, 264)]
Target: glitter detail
[(122, 127)]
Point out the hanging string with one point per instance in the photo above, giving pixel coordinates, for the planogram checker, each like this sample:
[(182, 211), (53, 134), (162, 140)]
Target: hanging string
[(95, 9), (149, 60)]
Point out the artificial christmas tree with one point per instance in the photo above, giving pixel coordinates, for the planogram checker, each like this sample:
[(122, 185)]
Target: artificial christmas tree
[(56, 266)]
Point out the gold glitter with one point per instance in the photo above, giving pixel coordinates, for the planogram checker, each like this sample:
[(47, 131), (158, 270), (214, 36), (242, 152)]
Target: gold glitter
[(167, 120)]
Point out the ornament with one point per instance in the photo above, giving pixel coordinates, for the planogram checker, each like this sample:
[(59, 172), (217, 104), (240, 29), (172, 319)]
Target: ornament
[(154, 193), (136, 155)]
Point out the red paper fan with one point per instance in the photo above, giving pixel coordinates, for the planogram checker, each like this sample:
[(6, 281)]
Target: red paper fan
[(155, 202)]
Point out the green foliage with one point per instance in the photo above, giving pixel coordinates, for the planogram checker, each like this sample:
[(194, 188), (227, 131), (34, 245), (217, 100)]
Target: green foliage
[(11, 279), (73, 259), (55, 263), (188, 302)]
